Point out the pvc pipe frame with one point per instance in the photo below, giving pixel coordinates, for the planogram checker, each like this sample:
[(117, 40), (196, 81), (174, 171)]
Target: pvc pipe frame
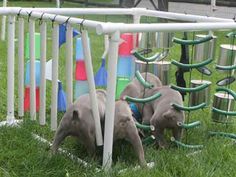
[(32, 69), (92, 89), (43, 48), (21, 67), (3, 30)]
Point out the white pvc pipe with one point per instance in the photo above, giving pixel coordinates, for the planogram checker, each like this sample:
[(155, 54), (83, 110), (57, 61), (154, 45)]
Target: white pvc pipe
[(32, 69), (69, 66), (181, 16), (87, 11), (110, 102), (165, 27), (10, 69), (43, 49), (58, 4), (21, 60), (55, 56), (3, 30), (92, 89), (136, 20), (106, 46)]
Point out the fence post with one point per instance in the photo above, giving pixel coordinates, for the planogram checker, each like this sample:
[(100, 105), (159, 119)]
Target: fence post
[(55, 54), (43, 47), (21, 60), (110, 102), (3, 31), (10, 69)]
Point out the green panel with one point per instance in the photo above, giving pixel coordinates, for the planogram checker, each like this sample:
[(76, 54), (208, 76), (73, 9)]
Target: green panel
[(120, 86), (37, 46)]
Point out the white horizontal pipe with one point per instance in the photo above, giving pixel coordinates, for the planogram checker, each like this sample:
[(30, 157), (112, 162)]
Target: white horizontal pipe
[(86, 11), (181, 16), (171, 27), (56, 18)]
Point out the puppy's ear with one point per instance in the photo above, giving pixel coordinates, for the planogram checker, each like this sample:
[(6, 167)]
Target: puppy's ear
[(169, 114)]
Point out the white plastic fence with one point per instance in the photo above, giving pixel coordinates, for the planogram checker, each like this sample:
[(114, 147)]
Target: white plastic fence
[(112, 29)]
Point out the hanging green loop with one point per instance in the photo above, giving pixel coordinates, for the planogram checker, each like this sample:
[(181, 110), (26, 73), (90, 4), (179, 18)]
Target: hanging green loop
[(145, 127), (149, 140), (192, 108), (190, 125), (142, 80), (227, 113), (227, 135), (190, 66), (180, 144), (142, 100), (231, 35), (192, 42), (225, 68), (231, 92), (149, 59), (195, 89)]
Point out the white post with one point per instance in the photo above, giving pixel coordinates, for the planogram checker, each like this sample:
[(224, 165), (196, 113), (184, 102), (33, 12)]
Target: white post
[(58, 4), (110, 103), (32, 69), (92, 90), (55, 54), (3, 31), (136, 20), (69, 65), (43, 46), (21, 60), (10, 69)]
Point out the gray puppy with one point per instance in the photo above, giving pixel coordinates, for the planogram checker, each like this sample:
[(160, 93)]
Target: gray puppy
[(161, 114), (78, 121)]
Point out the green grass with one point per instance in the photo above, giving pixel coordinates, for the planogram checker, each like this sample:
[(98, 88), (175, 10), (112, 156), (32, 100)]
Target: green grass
[(21, 155)]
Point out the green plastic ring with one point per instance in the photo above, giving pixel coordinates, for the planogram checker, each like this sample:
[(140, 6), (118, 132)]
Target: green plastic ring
[(192, 42), (145, 127), (180, 144), (191, 66), (231, 92), (142, 100), (188, 126), (227, 135), (195, 89), (193, 108), (231, 35), (225, 68), (149, 59), (228, 113)]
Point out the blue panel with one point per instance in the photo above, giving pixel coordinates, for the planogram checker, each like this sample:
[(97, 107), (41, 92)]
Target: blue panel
[(37, 73), (124, 68)]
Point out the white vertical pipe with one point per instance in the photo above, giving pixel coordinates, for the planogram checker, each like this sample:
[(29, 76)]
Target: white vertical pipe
[(3, 31), (10, 69), (21, 60), (136, 20), (55, 54), (69, 65), (43, 46), (110, 103), (92, 90), (106, 46), (58, 4), (32, 69)]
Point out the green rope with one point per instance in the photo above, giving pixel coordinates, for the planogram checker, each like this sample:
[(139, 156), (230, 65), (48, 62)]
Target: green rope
[(180, 144), (190, 125), (195, 89), (227, 135), (142, 100), (190, 66), (142, 80), (145, 127), (227, 113), (192, 42), (190, 108)]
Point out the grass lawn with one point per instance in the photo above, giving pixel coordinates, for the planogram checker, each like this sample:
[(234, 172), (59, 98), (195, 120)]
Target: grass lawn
[(21, 155)]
